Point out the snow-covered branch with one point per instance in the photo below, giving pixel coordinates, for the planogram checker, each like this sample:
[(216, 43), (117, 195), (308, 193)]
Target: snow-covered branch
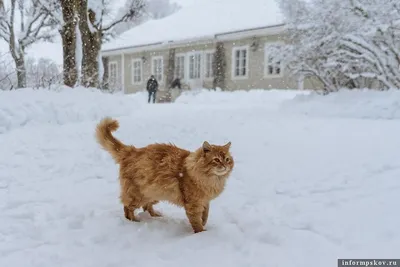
[(343, 43), (42, 73), (39, 25), (95, 24), (23, 23), (134, 9), (54, 9), (7, 72)]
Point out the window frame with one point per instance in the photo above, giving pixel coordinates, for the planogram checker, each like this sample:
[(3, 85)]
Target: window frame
[(133, 61), (267, 75), (183, 67), (161, 80), (190, 55), (110, 63), (233, 65), (205, 64)]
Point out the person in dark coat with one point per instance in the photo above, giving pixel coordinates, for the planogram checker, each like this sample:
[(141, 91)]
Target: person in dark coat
[(152, 88)]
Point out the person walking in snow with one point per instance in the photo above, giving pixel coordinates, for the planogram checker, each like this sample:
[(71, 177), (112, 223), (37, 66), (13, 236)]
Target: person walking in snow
[(152, 88)]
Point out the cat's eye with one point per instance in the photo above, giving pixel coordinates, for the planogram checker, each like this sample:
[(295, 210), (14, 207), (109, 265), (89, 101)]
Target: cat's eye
[(227, 159), (217, 160)]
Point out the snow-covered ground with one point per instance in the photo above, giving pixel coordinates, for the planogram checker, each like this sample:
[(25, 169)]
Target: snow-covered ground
[(316, 179)]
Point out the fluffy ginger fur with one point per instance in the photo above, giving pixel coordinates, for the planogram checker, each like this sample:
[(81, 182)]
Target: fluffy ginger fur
[(164, 172)]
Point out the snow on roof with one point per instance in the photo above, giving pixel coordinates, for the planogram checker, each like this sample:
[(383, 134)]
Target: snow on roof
[(201, 19)]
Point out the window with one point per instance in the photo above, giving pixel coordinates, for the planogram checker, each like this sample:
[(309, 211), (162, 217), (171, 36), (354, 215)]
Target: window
[(157, 68), (240, 62), (195, 66), (180, 66), (272, 66), (136, 71), (112, 73), (208, 64)]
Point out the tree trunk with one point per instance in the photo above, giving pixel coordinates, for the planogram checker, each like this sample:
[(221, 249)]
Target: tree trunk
[(17, 52), (21, 71), (68, 36), (106, 73), (91, 45), (219, 67)]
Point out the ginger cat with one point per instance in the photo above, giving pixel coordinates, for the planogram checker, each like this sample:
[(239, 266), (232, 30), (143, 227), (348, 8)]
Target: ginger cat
[(164, 172)]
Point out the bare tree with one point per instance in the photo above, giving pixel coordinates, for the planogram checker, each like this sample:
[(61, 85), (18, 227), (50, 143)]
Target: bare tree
[(42, 73), (94, 30), (35, 25), (68, 34), (7, 72), (65, 14), (91, 21), (342, 43)]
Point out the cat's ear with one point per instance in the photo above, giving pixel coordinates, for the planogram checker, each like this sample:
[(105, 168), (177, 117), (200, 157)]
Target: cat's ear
[(227, 146), (206, 147)]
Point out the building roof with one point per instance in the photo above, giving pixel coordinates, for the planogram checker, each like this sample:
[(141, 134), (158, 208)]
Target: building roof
[(201, 19)]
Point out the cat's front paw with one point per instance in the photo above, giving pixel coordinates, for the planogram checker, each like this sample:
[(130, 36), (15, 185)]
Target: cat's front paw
[(199, 230), (130, 215)]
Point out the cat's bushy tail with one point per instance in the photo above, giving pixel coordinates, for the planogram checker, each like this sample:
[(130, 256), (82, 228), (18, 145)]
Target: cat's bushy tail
[(109, 143)]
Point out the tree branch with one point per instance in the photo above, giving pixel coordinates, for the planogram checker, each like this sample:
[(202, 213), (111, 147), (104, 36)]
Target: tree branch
[(134, 10)]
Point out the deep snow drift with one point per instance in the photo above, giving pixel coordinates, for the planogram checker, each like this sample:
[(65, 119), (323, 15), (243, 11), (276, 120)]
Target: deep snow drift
[(62, 106), (316, 179)]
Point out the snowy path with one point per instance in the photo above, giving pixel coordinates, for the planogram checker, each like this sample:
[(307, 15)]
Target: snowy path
[(305, 192)]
